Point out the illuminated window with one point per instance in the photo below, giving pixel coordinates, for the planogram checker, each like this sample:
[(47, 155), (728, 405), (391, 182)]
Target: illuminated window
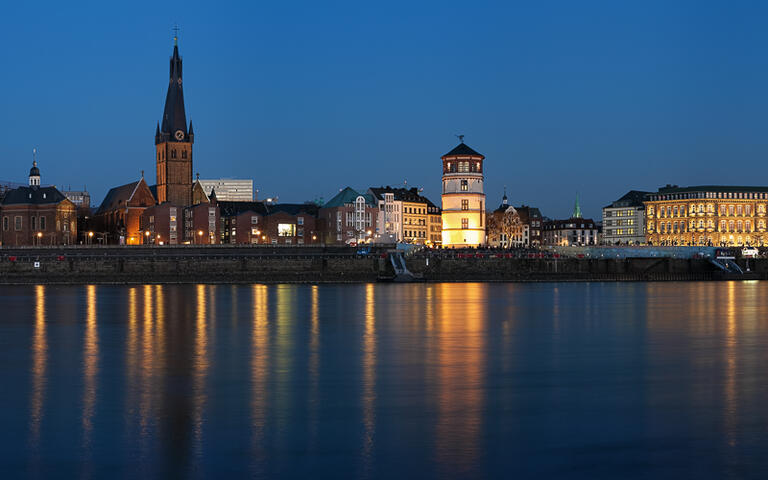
[(465, 223), (463, 167), (286, 229), (464, 185), (465, 204)]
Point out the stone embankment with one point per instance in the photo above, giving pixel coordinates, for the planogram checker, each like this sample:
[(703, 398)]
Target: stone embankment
[(233, 264)]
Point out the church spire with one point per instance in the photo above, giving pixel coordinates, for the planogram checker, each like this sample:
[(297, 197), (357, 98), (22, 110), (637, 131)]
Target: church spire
[(173, 126), (576, 208)]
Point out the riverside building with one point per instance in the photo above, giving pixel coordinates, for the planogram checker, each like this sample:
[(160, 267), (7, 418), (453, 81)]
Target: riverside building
[(463, 209), (707, 215), (624, 220)]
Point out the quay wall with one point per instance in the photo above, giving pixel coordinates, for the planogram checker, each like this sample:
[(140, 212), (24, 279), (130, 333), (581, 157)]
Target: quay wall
[(74, 266)]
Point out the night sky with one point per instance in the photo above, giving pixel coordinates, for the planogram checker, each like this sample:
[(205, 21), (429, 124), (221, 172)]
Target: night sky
[(309, 97)]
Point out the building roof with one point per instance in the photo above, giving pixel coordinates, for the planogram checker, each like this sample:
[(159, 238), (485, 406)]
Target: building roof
[(633, 198), (347, 196), (462, 149), (710, 188), (33, 195), (401, 194), (232, 209), (294, 208)]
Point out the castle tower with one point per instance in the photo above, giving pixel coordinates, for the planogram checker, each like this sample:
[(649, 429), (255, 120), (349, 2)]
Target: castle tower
[(463, 198), (173, 142)]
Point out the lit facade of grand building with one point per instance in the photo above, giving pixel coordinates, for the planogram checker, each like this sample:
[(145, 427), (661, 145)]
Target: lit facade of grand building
[(707, 215), (463, 198)]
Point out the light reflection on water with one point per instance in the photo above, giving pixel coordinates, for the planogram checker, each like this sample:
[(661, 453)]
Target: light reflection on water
[(432, 381)]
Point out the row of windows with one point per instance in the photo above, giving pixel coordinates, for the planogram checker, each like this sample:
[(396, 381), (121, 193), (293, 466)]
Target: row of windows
[(726, 195), (680, 211), (18, 223), (725, 226), (415, 233), (173, 154)]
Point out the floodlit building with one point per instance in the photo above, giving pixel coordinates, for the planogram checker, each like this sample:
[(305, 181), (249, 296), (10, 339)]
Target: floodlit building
[(463, 198), (230, 189), (707, 215)]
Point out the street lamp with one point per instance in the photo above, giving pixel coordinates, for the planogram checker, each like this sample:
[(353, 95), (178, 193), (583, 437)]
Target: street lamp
[(39, 238), (200, 234), (90, 238)]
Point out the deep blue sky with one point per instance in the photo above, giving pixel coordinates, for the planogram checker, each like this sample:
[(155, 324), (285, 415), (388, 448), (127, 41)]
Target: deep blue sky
[(308, 97)]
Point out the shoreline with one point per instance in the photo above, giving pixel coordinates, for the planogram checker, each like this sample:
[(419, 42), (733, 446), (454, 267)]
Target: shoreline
[(248, 265)]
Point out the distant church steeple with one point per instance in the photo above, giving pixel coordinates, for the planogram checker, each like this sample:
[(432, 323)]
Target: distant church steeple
[(576, 208)]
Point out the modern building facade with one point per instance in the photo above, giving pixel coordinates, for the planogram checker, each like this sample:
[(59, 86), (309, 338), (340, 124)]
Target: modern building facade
[(463, 200), (37, 215), (624, 220), (230, 189), (707, 215), (173, 142)]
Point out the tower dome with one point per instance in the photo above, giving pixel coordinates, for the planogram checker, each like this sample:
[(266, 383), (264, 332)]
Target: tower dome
[(34, 175)]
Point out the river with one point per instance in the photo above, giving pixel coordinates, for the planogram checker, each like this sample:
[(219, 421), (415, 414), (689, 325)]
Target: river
[(576, 380)]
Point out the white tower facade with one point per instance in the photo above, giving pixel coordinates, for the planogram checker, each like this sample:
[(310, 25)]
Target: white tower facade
[(463, 198)]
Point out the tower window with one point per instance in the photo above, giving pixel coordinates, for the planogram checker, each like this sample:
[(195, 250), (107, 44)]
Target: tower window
[(173, 153), (463, 167), (464, 223), (465, 204), (183, 154), (464, 185)]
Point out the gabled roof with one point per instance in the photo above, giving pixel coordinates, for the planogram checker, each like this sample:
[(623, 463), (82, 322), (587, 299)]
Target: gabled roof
[(117, 197), (462, 149), (347, 196), (33, 195)]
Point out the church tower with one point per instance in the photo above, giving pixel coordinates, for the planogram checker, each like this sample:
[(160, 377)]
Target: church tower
[(463, 198), (173, 142)]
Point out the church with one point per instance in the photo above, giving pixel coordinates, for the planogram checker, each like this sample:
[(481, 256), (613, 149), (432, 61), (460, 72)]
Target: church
[(119, 214)]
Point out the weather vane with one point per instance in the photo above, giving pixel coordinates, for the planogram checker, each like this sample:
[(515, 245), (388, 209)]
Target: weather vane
[(461, 138), (175, 32)]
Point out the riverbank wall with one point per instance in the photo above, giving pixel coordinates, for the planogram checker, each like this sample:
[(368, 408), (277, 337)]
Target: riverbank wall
[(253, 265)]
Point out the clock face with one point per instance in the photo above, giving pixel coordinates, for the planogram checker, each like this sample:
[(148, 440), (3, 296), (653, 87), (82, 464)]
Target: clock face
[(179, 135)]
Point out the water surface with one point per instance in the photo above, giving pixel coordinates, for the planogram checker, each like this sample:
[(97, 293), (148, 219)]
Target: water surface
[(577, 380)]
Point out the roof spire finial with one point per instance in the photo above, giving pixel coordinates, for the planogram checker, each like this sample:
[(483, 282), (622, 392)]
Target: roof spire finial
[(34, 157), (175, 34), (461, 138), (142, 174)]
